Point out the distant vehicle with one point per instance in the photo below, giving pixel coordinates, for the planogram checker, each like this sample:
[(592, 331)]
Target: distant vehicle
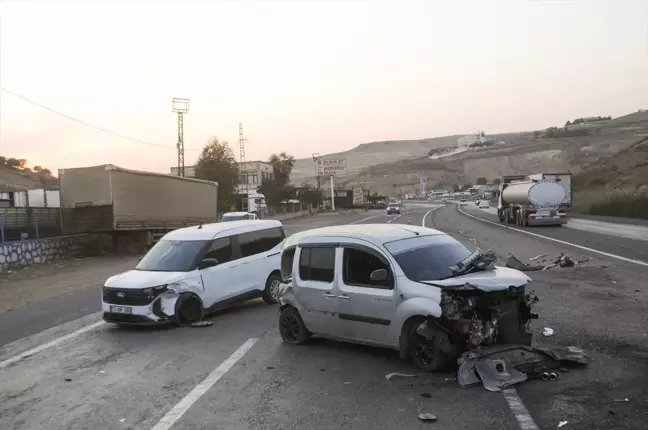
[(463, 202), (483, 204), (402, 287), (477, 202), (196, 270), (238, 216), (540, 199), (393, 208)]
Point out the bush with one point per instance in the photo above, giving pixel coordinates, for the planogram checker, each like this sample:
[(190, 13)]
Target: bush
[(621, 203)]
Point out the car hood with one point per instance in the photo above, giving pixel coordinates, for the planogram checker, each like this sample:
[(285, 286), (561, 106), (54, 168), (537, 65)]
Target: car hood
[(143, 279), (497, 279)]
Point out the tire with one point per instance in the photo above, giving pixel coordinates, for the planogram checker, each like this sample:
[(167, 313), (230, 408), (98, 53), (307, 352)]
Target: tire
[(271, 289), (292, 327), (189, 310), (425, 355)]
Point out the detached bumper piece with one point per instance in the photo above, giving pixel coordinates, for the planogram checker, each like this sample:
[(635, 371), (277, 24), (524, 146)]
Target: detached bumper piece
[(502, 366)]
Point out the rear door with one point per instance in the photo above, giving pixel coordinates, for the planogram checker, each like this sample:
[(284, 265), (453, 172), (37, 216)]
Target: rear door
[(315, 274), (366, 308)]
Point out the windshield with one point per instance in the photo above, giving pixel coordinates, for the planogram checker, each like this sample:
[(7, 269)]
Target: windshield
[(393, 205), (233, 218), (428, 258), (172, 256)]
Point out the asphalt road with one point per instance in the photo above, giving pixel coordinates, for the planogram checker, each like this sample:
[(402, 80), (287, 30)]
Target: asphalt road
[(194, 378)]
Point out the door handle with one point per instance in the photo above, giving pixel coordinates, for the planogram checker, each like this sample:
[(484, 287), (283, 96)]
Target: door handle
[(328, 295), (344, 297)]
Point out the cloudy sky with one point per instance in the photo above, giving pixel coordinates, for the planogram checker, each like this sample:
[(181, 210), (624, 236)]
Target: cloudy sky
[(305, 76)]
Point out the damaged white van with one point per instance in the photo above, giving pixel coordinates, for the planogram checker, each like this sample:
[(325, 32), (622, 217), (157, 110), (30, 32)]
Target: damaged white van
[(196, 270), (409, 288)]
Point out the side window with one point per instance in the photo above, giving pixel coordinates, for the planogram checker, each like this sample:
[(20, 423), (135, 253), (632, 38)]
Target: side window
[(255, 242), (220, 249), (358, 266), (317, 264), (287, 259)]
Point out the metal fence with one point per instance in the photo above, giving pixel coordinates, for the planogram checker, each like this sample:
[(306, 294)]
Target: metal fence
[(29, 223)]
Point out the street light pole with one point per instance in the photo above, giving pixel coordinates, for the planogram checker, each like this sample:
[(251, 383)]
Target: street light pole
[(180, 106)]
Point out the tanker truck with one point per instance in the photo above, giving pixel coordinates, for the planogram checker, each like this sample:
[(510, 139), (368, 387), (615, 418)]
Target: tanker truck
[(531, 200)]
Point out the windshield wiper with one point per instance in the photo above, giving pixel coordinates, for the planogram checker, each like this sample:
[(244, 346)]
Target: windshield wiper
[(477, 261)]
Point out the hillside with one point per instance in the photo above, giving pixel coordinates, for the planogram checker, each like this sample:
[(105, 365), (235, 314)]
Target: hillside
[(369, 154), (515, 153), (12, 179)]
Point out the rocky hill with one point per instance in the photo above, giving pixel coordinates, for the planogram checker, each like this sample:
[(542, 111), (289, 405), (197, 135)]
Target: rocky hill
[(17, 178), (512, 153)]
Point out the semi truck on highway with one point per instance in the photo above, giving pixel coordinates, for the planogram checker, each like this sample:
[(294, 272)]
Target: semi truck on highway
[(538, 199), (141, 205)]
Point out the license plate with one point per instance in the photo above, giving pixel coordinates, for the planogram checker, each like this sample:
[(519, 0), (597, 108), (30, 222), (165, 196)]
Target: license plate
[(121, 310)]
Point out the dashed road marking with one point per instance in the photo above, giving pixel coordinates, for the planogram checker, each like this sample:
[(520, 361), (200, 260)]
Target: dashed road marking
[(365, 219), (183, 405), (50, 344), (520, 412), (562, 242)]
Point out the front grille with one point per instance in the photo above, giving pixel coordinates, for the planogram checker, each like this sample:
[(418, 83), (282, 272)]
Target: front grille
[(131, 297), (126, 318)]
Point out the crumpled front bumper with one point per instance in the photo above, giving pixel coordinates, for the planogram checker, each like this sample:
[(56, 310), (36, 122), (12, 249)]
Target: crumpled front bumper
[(159, 311)]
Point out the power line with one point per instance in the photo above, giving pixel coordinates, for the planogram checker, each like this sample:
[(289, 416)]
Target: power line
[(87, 124)]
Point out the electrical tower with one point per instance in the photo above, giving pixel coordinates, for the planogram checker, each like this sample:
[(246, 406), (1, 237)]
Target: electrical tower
[(181, 106), (242, 167)]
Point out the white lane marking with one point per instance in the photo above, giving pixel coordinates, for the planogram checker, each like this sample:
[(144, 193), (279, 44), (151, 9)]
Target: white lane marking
[(584, 248), (428, 213), (519, 411), (394, 219), (183, 405), (365, 219), (49, 344)]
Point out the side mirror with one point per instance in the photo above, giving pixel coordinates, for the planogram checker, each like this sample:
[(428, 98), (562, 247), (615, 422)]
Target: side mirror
[(379, 275), (207, 262)]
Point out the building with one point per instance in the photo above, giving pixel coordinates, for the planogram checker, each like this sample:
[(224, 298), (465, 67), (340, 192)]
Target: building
[(256, 172)]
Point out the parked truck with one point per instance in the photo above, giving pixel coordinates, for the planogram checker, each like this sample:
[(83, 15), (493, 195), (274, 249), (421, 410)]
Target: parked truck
[(108, 198), (538, 199)]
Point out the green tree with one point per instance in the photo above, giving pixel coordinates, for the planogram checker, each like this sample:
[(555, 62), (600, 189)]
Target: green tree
[(497, 181), (282, 165), (3, 160), (37, 168), (568, 123), (482, 181), (456, 188), (13, 162), (47, 172), (217, 163)]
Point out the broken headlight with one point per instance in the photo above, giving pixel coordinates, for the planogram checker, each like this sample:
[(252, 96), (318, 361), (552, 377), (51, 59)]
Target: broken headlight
[(152, 292)]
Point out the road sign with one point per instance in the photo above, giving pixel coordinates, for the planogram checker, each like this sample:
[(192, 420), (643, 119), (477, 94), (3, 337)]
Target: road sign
[(423, 180), (331, 167), (358, 196)]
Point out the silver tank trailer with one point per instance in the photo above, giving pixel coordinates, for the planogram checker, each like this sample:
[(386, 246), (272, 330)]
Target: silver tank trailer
[(541, 194)]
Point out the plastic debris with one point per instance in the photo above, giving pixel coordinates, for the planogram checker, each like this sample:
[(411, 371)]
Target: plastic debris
[(202, 324), (547, 332), (537, 257), (427, 417), (514, 263), (562, 423), (402, 375)]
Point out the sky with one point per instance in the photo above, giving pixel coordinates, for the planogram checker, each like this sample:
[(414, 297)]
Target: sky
[(304, 76)]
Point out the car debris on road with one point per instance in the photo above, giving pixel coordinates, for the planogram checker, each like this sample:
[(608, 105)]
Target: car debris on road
[(501, 366), (562, 260)]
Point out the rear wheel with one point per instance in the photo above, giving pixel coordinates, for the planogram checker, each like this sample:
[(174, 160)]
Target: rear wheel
[(292, 327), (271, 291)]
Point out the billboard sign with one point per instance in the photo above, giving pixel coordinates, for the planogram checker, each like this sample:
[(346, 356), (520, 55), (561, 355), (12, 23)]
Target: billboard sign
[(331, 167)]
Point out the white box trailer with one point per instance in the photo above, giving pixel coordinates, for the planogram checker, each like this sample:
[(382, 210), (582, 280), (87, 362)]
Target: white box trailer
[(109, 198)]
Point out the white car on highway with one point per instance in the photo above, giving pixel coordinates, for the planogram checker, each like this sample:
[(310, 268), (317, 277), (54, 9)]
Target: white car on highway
[(413, 289), (195, 270), (483, 204)]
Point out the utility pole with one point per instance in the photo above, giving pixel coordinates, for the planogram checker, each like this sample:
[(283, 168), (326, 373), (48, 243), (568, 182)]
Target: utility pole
[(181, 106), (242, 167)]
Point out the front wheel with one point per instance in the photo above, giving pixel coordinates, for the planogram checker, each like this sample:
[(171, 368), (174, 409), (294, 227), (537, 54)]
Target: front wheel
[(189, 310), (292, 327), (429, 354), (271, 291)]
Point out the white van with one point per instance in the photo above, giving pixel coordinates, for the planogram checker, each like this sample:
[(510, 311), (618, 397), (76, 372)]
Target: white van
[(196, 270)]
